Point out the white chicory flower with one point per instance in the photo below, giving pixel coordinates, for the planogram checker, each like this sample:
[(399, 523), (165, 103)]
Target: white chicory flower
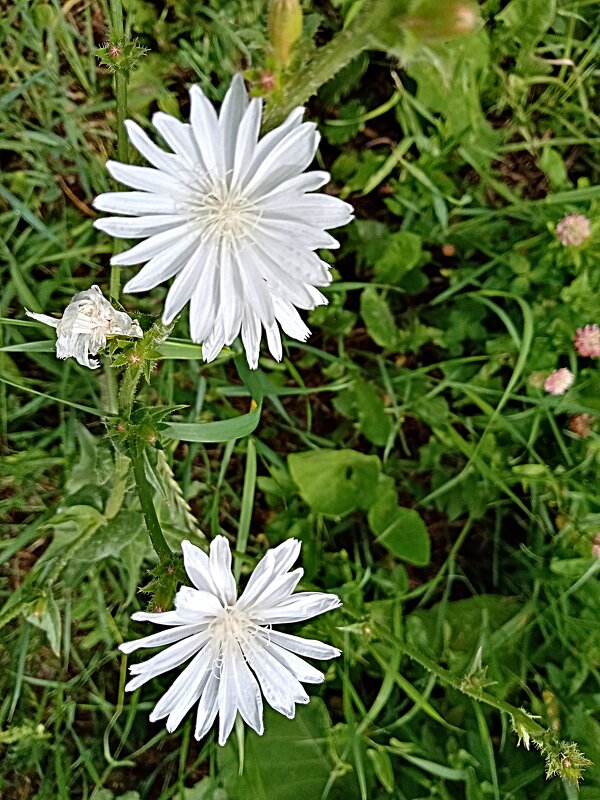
[(231, 218), (235, 652), (87, 322)]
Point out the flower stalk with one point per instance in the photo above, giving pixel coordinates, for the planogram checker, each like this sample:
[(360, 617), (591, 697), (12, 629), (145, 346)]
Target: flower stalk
[(144, 489)]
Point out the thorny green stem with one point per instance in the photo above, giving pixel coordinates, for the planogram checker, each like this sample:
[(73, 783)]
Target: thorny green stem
[(163, 551), (153, 338), (331, 58), (143, 351), (461, 685), (120, 77)]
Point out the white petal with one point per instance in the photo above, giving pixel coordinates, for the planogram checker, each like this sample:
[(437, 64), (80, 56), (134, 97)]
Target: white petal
[(280, 283), (136, 203), (231, 309), (158, 617), (205, 126), (312, 648), (232, 111), (151, 247), (151, 152), (185, 690), (281, 690), (299, 233), (204, 303), (184, 284), (213, 344), (174, 634), (300, 669), (275, 562), (167, 660), (147, 179), (197, 566), (288, 158), (257, 296), (138, 227), (178, 135), (208, 706), (269, 142), (164, 265), (246, 141), (316, 210), (52, 321), (220, 569), (299, 607), (251, 337), (175, 655), (238, 690), (278, 590), (296, 186), (290, 321), (193, 605), (274, 341)]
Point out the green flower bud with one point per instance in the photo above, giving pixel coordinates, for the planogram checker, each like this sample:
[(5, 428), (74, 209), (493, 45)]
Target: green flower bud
[(285, 28)]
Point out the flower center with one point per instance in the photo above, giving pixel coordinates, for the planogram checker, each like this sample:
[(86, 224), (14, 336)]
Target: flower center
[(226, 216), (231, 625)]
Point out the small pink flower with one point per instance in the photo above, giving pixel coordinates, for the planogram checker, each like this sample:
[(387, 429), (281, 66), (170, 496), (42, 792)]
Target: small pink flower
[(573, 229), (587, 341), (559, 381)]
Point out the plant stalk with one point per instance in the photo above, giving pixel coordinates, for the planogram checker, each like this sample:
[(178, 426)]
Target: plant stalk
[(163, 551), (121, 77)]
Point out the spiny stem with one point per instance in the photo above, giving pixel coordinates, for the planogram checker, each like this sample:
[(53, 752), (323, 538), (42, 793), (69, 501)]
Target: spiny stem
[(153, 338), (163, 551), (327, 62), (458, 683)]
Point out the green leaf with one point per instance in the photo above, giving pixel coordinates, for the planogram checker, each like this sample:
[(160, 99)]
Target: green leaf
[(400, 530), (402, 254), (291, 760), (335, 482), (378, 318), (407, 537), (47, 617), (382, 765), (219, 431), (373, 422)]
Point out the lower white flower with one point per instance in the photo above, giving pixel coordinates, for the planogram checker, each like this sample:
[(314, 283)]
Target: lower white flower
[(88, 320), (236, 654)]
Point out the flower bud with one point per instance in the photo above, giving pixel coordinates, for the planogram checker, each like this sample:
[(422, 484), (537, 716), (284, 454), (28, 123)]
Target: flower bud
[(285, 28), (438, 20)]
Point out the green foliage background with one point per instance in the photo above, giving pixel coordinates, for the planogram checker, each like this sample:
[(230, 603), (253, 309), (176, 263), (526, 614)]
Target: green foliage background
[(435, 488)]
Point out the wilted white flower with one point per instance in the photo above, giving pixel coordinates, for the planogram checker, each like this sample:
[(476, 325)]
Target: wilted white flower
[(231, 218), (88, 320), (236, 653)]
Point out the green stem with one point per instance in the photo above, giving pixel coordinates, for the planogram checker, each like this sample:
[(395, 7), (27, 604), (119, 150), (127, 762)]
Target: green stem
[(153, 338), (327, 62), (120, 88), (163, 551), (460, 685)]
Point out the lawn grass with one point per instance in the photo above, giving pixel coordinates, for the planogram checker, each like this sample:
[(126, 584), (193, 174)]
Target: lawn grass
[(453, 299)]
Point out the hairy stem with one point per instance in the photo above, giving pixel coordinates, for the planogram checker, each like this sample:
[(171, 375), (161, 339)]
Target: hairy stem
[(153, 338)]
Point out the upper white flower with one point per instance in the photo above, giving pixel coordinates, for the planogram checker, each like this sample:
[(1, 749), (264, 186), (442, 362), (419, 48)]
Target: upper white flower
[(88, 320), (231, 217), (236, 654)]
